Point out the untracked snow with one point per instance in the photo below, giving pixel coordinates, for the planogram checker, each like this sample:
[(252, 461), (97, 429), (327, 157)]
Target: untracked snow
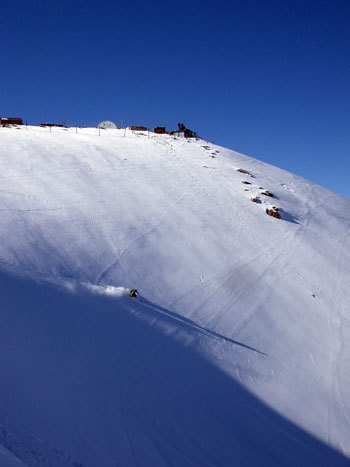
[(235, 352)]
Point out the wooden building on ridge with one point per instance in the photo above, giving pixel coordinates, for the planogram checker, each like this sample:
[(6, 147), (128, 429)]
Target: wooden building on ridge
[(6, 121)]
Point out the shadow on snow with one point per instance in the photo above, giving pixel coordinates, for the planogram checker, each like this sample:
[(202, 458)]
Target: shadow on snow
[(84, 379), (177, 320)]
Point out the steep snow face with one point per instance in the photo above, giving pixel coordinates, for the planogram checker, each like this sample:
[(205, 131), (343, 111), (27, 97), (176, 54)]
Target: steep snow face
[(241, 327)]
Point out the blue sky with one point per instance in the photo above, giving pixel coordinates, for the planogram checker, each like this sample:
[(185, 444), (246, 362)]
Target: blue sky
[(270, 79)]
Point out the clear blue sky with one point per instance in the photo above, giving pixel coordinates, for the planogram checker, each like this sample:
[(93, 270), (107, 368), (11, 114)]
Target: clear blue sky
[(268, 78)]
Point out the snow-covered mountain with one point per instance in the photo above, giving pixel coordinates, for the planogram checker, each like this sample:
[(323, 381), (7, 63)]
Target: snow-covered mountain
[(236, 351)]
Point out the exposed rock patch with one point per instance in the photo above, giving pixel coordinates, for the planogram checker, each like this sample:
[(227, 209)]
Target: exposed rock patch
[(273, 211), (268, 193)]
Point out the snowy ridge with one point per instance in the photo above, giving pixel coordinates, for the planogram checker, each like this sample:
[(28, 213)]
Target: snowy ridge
[(236, 351)]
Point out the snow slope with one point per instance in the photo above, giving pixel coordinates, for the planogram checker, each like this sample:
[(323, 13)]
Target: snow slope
[(236, 351)]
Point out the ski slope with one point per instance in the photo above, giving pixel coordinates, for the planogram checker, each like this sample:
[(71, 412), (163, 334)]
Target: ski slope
[(236, 351)]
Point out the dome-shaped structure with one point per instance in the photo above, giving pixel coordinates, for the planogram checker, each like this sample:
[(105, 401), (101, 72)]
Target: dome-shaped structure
[(107, 124)]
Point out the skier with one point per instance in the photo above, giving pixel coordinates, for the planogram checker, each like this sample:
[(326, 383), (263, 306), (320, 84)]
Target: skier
[(133, 293)]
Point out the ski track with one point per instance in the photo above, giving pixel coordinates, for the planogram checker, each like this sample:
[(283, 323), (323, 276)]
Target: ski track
[(336, 320), (137, 240), (253, 272)]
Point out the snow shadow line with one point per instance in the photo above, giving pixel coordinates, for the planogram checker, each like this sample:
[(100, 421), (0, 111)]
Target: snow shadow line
[(186, 322), (288, 217), (149, 399)]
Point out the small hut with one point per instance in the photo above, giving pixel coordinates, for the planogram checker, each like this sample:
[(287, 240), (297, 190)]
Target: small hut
[(183, 132), (160, 130), (58, 125), (138, 128), (6, 121)]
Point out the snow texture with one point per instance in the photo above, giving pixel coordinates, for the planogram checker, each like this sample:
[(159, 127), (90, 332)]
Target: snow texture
[(236, 350)]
